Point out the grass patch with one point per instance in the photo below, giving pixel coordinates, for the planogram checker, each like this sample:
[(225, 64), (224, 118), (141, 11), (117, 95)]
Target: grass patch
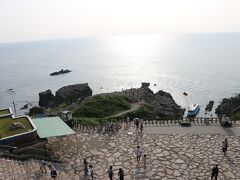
[(95, 121), (102, 106), (144, 111), (6, 122), (4, 111), (236, 114)]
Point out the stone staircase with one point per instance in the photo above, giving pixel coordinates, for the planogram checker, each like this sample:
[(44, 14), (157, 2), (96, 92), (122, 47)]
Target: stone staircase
[(27, 170)]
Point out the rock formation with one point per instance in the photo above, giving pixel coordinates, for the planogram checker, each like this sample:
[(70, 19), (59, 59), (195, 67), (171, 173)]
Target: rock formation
[(145, 85), (45, 98), (209, 106), (228, 105), (67, 94), (60, 72), (162, 103), (72, 93)]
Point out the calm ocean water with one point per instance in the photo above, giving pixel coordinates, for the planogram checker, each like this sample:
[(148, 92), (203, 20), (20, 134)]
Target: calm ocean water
[(206, 66)]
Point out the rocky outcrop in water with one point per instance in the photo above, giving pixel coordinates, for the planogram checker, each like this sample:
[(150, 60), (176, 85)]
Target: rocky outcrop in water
[(66, 94), (72, 93), (209, 106), (161, 103), (45, 98), (228, 105), (60, 72)]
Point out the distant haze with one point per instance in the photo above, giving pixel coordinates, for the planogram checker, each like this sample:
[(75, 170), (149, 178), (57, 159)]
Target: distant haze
[(27, 20)]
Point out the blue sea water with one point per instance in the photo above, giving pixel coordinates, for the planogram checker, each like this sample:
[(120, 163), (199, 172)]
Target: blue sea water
[(206, 66)]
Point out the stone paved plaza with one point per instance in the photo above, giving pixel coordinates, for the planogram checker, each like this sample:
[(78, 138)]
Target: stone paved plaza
[(171, 155)]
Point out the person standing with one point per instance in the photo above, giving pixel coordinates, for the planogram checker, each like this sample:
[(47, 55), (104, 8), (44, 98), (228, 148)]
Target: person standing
[(137, 124), (121, 174), (138, 154), (90, 172), (110, 173), (53, 171), (225, 146), (85, 165), (141, 125), (43, 167), (215, 171)]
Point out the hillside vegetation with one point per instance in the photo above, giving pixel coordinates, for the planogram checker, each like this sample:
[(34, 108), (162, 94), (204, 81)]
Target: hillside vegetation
[(102, 106)]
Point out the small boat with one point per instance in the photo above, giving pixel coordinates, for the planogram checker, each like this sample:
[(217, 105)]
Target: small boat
[(185, 94), (193, 110)]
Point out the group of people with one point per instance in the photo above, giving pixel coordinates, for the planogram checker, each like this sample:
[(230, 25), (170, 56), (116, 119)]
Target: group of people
[(215, 169), (89, 173), (138, 123), (51, 167)]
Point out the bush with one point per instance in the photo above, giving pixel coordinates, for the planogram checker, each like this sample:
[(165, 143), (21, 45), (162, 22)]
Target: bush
[(102, 106), (95, 121), (236, 114), (144, 111)]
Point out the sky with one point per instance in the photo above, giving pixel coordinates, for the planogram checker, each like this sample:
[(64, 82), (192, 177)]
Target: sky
[(29, 20)]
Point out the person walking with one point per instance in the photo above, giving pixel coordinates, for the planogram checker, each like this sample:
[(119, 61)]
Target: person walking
[(138, 153), (137, 124), (215, 171), (225, 146), (53, 171), (121, 174), (90, 172), (141, 125), (85, 165), (110, 173), (43, 167)]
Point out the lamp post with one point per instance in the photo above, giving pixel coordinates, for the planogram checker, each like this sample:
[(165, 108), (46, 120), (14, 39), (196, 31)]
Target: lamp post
[(12, 93)]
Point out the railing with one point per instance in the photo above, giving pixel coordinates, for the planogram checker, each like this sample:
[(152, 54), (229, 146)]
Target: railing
[(157, 122), (28, 153), (37, 174), (97, 128), (178, 120)]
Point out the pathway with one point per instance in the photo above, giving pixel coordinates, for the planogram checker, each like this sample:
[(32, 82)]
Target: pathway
[(134, 107), (170, 155), (233, 131)]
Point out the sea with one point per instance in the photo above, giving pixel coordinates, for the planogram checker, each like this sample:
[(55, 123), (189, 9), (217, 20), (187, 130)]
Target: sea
[(204, 65)]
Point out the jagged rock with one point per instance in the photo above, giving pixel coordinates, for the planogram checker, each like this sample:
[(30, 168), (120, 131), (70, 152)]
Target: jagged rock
[(45, 98), (72, 93), (162, 104), (209, 106), (228, 105), (60, 72), (145, 85), (163, 93)]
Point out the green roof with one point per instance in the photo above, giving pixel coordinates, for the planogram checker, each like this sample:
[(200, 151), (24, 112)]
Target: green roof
[(51, 127)]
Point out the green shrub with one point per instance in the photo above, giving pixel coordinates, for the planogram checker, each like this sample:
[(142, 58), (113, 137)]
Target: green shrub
[(144, 111), (236, 114), (94, 121), (102, 106)]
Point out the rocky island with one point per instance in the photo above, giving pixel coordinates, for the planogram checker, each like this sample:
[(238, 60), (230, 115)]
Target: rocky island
[(60, 72), (135, 102)]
